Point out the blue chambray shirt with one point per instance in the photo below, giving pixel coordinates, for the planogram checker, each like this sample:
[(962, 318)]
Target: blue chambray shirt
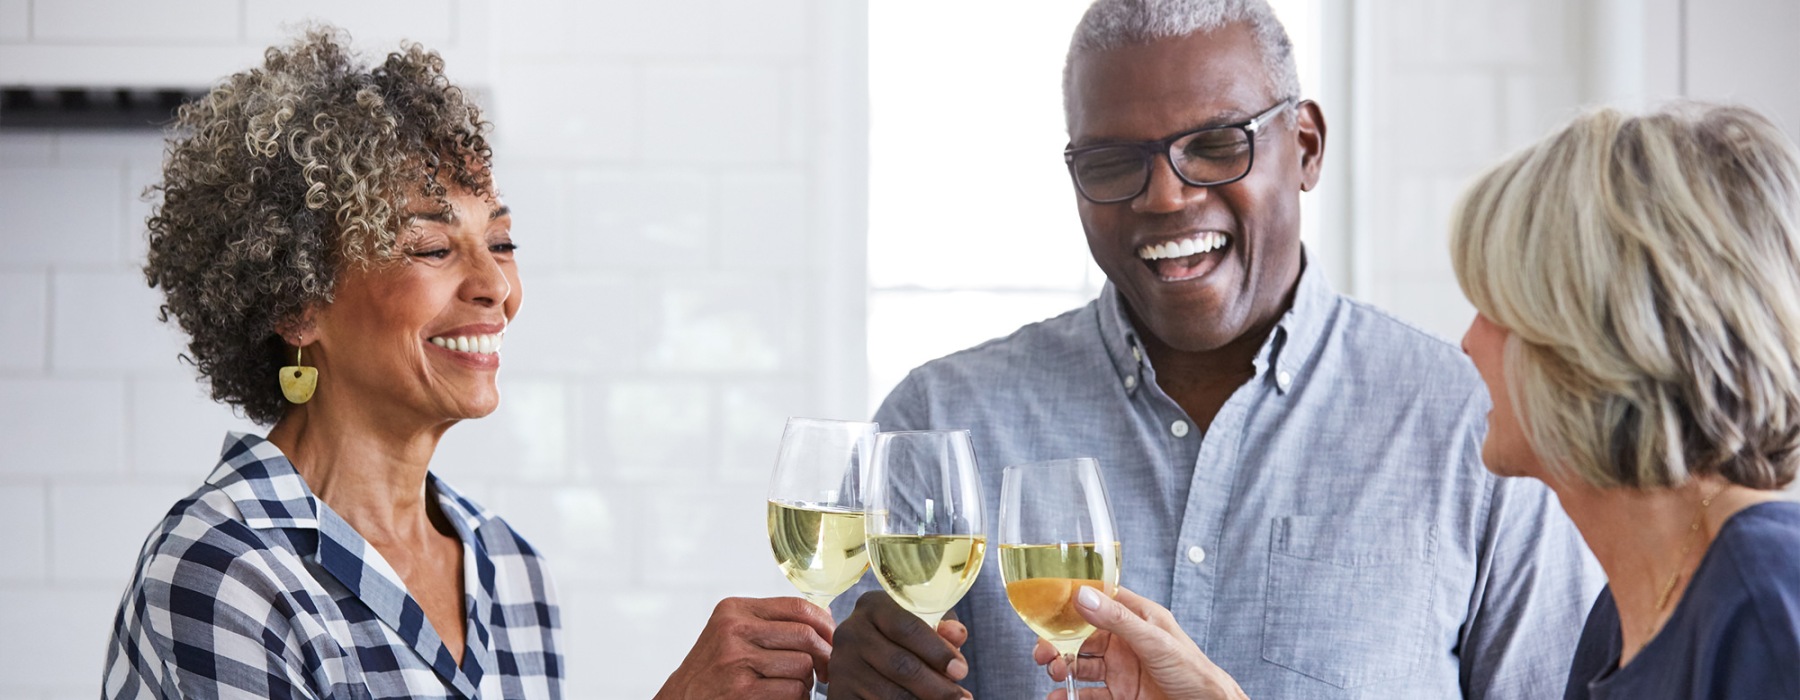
[(1332, 535)]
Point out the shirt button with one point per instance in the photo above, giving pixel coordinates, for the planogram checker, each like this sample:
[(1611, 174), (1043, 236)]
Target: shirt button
[(1137, 354), (1179, 428), (1130, 381), (1196, 554), (1283, 379)]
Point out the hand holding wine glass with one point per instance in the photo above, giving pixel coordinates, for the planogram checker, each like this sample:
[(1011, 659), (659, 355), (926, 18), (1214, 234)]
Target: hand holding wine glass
[(924, 523), (1057, 541), (1140, 652)]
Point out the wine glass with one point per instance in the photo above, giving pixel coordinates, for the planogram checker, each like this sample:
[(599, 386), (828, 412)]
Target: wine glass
[(816, 507), (1056, 536), (925, 528)]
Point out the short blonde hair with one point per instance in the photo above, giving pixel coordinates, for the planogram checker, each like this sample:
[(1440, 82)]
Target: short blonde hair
[(1649, 270)]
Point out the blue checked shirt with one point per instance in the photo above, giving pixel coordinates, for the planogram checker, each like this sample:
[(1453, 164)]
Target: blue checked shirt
[(253, 588), (1332, 535)]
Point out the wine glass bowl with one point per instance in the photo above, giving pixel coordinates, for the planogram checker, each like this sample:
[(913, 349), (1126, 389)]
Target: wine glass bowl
[(816, 505), (925, 526)]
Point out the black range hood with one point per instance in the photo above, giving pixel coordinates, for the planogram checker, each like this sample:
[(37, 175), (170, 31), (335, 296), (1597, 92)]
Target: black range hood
[(90, 108)]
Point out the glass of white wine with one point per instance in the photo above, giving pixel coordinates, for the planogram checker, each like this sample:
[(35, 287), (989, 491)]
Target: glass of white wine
[(926, 532), (816, 506), (1056, 536)]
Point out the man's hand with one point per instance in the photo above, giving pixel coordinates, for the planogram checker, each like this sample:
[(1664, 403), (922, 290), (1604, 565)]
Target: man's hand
[(883, 651), (1139, 652), (757, 648)]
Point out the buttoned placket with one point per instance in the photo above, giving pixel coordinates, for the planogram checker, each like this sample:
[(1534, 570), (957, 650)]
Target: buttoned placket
[(1210, 492), (1132, 379), (1212, 489)]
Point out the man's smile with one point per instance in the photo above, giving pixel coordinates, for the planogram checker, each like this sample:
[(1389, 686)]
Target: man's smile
[(1185, 258)]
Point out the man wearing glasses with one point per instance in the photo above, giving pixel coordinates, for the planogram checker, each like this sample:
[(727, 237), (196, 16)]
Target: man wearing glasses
[(1295, 475)]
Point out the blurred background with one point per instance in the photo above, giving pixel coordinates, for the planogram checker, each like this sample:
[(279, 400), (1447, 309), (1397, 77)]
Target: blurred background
[(730, 211)]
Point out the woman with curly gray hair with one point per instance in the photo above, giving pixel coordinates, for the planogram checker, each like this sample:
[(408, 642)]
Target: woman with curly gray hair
[(331, 241), (1637, 282)]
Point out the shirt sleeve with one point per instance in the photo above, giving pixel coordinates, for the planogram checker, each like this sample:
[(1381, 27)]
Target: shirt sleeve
[(206, 620), (1535, 582)]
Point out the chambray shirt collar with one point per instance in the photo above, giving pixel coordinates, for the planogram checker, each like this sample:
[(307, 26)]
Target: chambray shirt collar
[(271, 494), (1286, 350)]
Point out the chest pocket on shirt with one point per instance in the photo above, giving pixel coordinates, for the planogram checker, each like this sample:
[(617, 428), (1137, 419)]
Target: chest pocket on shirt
[(1349, 598)]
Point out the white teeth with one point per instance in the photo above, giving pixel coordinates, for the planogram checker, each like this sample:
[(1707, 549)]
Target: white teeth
[(486, 344), (1195, 244)]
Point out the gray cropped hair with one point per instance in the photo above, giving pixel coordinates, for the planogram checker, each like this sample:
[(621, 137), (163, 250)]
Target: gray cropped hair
[(1110, 24)]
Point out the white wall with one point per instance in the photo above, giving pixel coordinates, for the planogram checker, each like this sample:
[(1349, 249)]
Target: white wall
[(688, 185), (1439, 91)]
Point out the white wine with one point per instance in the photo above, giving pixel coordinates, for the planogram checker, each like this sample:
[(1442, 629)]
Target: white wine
[(927, 574), (819, 548), (1043, 579)]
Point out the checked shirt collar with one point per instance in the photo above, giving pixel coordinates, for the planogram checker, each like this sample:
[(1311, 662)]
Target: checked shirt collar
[(271, 495)]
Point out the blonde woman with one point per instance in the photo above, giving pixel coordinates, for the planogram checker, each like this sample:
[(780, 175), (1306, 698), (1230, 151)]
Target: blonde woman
[(1638, 287)]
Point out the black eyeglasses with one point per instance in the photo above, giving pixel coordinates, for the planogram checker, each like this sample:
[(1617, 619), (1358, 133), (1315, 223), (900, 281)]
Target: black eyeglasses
[(1205, 157)]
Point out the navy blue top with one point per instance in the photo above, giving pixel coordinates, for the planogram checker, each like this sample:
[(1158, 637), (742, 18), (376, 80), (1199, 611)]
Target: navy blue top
[(1735, 633)]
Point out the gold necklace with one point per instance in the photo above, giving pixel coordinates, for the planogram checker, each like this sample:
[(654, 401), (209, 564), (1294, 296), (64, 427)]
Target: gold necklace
[(1662, 599)]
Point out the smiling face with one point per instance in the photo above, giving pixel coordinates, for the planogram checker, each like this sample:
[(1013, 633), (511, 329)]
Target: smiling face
[(1246, 235), (1505, 451), (419, 339)]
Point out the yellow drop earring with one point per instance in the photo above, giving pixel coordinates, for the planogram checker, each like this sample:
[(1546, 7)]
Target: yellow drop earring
[(298, 383)]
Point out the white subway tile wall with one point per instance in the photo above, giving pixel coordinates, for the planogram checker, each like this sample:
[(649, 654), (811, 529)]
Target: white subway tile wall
[(431, 22), (15, 20), (142, 22), (24, 515), (660, 160), (24, 312), (56, 650), (73, 214), (1451, 89)]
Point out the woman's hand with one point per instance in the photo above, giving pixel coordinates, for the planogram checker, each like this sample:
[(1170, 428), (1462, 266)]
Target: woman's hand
[(755, 648), (1139, 652)]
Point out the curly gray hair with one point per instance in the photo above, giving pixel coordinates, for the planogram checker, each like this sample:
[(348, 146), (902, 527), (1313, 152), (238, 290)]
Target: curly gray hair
[(1109, 24), (283, 174)]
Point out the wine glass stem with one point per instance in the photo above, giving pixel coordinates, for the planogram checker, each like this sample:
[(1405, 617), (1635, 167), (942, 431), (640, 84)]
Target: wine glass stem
[(1069, 682)]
